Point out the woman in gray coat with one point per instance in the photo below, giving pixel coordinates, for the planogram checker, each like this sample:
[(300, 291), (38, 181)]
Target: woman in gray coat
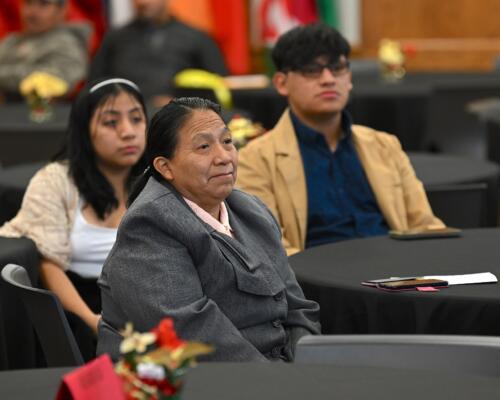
[(192, 248)]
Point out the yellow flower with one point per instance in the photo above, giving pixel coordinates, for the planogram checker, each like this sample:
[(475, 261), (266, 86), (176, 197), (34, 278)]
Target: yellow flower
[(43, 85), (198, 78), (134, 341), (390, 52), (158, 373), (243, 130)]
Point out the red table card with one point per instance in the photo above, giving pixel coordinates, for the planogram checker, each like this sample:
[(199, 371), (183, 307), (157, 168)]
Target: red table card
[(95, 380)]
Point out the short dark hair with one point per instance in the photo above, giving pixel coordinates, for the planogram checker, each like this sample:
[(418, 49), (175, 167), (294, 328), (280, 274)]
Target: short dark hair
[(305, 43), (79, 153), (163, 133)]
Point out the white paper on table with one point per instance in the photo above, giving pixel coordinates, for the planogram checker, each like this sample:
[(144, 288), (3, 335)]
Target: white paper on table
[(482, 277)]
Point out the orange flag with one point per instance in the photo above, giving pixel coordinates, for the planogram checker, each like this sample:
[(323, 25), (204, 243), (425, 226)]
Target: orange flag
[(231, 32), (197, 13), (226, 21)]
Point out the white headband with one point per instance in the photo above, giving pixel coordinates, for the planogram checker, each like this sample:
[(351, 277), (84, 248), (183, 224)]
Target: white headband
[(111, 81)]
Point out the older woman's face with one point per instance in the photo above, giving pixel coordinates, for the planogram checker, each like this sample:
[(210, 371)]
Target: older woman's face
[(203, 168)]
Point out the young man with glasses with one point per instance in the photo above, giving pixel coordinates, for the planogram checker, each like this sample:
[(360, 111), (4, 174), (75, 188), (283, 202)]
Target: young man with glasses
[(324, 178)]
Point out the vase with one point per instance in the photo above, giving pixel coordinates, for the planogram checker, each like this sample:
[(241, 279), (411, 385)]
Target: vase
[(41, 110), (393, 72)]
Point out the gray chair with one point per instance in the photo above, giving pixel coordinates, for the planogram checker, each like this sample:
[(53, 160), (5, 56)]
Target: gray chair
[(478, 355), (365, 68), (47, 316)]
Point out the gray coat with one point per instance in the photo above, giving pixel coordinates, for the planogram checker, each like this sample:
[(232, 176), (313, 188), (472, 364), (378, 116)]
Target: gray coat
[(239, 295)]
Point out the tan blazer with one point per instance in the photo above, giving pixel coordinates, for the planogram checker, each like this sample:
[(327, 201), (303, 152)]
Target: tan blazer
[(271, 168)]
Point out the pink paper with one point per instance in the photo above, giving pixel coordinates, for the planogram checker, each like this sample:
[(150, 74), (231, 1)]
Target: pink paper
[(427, 289)]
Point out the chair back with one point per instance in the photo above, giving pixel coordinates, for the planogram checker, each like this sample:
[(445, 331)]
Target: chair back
[(493, 140), (476, 355), (450, 127), (460, 206), (47, 316), (365, 68)]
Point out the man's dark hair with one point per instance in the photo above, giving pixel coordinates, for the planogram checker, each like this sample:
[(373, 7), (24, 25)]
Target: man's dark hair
[(304, 44)]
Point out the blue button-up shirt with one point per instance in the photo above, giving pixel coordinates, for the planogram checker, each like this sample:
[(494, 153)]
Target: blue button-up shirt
[(341, 203)]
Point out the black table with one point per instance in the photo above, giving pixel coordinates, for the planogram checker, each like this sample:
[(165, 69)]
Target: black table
[(400, 108), (18, 348), (30, 384), (221, 381), (22, 140), (332, 275)]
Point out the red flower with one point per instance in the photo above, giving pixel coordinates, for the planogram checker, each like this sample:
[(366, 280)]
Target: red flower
[(409, 49), (166, 388), (166, 336)]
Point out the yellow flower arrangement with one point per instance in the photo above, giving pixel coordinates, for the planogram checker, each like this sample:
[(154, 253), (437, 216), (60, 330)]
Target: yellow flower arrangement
[(44, 85), (39, 88), (392, 59), (198, 78), (243, 130)]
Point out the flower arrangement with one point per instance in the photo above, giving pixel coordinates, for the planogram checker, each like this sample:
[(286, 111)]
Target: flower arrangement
[(392, 59), (244, 130), (158, 373), (392, 56), (39, 88), (198, 78)]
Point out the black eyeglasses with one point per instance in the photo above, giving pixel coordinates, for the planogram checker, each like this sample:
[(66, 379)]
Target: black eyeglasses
[(315, 69)]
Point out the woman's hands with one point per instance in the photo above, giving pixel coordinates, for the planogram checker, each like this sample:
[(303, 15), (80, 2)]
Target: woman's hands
[(93, 321)]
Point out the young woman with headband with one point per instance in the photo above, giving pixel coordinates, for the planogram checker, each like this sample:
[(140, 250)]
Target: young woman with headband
[(72, 206)]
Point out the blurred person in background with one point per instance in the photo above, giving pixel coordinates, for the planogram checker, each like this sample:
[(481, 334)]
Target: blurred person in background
[(46, 44), (324, 178), (72, 206), (152, 48)]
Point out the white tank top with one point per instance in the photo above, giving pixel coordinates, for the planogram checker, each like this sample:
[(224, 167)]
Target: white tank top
[(90, 245)]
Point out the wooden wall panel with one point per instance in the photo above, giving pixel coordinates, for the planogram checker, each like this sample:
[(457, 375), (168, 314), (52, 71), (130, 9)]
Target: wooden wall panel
[(446, 34)]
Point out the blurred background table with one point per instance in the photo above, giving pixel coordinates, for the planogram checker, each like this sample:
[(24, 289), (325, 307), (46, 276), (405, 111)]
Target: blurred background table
[(332, 276), (424, 110), (23, 140), (463, 191)]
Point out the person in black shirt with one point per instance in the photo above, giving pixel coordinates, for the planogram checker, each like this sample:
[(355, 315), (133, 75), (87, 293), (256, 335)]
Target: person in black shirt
[(152, 48)]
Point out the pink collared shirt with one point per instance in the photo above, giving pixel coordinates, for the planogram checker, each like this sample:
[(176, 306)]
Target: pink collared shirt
[(221, 226)]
